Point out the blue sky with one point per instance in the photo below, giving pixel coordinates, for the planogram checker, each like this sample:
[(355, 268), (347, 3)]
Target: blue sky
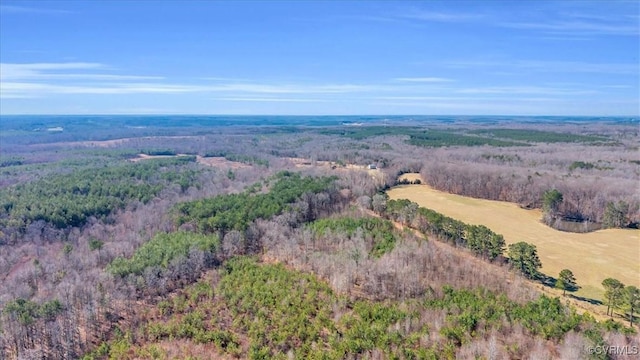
[(315, 58)]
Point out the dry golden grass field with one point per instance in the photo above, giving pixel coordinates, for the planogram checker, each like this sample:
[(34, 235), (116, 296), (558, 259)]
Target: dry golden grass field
[(592, 257)]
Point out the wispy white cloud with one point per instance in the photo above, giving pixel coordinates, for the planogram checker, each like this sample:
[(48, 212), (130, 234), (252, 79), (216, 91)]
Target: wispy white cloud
[(260, 88), (14, 9), (463, 98), (142, 110), (74, 80), (9, 71), (41, 79), (522, 106), (439, 16), (225, 79), (60, 71), (33, 89), (423, 79), (573, 23), (415, 15), (519, 90), (575, 20), (616, 86), (27, 90), (581, 28), (266, 99), (415, 98), (549, 66), (63, 71)]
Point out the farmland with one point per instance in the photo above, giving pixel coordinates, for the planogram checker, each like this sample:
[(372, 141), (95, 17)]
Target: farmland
[(592, 256)]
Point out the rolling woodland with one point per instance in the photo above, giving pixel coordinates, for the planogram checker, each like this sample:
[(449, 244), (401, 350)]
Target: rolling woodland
[(260, 241)]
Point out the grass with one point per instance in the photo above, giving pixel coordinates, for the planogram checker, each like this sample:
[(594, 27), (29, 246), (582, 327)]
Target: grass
[(592, 257)]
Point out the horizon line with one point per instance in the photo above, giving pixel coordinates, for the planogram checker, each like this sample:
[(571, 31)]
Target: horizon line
[(317, 115)]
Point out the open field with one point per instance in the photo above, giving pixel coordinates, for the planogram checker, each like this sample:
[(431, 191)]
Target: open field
[(150, 157), (307, 163), (216, 161), (592, 257), (219, 161), (302, 163)]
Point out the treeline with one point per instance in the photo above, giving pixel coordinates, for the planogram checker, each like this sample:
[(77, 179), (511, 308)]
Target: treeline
[(26, 324), (492, 137), (582, 202), (421, 137), (363, 132), (10, 161), (482, 241), (68, 200), (437, 138), (168, 261), (546, 317), (621, 297), (553, 204), (27, 312), (260, 311), (171, 259), (161, 251), (159, 152), (379, 235), (236, 211), (539, 136), (479, 239), (247, 159), (485, 243)]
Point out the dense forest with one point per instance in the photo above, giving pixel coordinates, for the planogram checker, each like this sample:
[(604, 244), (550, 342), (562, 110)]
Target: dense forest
[(278, 240)]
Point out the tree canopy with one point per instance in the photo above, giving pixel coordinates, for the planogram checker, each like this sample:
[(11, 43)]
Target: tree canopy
[(615, 215), (236, 211), (65, 200), (524, 257), (481, 240), (566, 281), (631, 301), (551, 199), (161, 250), (613, 293)]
